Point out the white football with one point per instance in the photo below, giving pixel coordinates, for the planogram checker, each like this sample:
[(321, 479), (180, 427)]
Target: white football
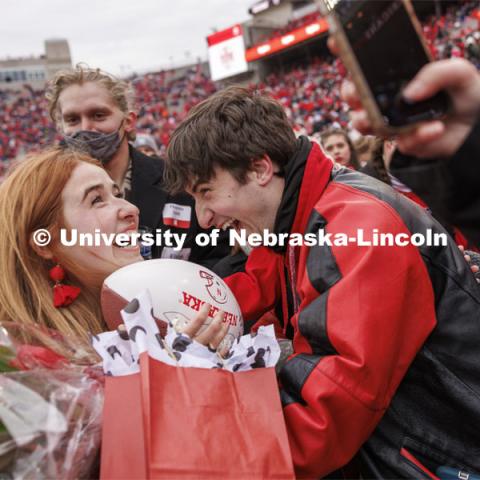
[(178, 289)]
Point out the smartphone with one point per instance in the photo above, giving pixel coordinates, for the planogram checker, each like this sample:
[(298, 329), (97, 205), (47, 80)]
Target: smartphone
[(381, 44)]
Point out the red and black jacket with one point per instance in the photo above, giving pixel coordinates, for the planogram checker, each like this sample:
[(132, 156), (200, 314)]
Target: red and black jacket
[(386, 339)]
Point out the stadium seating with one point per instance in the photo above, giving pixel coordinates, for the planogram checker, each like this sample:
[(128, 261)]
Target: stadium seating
[(309, 94)]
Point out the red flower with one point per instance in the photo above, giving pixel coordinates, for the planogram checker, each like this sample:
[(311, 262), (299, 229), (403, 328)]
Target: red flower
[(31, 356)]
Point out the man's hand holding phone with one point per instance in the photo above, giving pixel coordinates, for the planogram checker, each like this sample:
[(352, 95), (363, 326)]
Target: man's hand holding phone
[(436, 138)]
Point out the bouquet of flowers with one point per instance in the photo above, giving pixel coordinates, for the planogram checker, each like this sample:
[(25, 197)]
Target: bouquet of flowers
[(50, 412)]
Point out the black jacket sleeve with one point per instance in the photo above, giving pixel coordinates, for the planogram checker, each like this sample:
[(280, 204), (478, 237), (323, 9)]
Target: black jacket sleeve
[(450, 187)]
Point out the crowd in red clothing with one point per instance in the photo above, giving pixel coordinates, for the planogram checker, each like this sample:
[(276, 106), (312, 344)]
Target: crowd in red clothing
[(24, 123), (455, 34), (164, 99), (309, 94)]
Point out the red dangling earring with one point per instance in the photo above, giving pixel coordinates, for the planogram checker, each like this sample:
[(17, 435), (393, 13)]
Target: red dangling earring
[(63, 295)]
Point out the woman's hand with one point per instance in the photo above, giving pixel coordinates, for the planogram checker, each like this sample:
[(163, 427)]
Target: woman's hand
[(213, 334)]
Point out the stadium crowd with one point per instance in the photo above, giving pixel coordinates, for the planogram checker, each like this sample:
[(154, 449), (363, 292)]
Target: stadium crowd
[(455, 34), (309, 94)]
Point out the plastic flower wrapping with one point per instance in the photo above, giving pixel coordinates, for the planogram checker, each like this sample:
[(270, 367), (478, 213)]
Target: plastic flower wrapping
[(50, 409)]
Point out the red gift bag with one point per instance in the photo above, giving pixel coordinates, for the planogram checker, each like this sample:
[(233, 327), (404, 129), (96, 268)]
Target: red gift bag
[(123, 453), (199, 424)]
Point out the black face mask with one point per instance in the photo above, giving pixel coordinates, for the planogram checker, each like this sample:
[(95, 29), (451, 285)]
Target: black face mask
[(102, 146)]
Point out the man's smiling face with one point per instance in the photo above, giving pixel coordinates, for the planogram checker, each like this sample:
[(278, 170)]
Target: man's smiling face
[(223, 202)]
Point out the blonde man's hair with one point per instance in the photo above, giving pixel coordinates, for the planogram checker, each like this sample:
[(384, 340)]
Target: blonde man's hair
[(30, 199), (120, 91)]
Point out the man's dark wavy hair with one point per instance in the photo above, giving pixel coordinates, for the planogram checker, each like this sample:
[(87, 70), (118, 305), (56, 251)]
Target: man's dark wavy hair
[(229, 130)]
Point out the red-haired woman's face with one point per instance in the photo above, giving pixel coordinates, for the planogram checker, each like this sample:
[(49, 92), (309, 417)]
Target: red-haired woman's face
[(93, 204)]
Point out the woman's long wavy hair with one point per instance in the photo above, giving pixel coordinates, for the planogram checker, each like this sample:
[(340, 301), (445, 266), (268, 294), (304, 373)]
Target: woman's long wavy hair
[(31, 199), (377, 161)]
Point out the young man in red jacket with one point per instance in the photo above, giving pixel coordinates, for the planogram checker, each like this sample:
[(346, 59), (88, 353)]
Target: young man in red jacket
[(386, 363)]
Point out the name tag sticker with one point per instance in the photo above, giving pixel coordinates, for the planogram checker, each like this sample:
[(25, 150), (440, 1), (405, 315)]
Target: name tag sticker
[(178, 216), (182, 254)]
